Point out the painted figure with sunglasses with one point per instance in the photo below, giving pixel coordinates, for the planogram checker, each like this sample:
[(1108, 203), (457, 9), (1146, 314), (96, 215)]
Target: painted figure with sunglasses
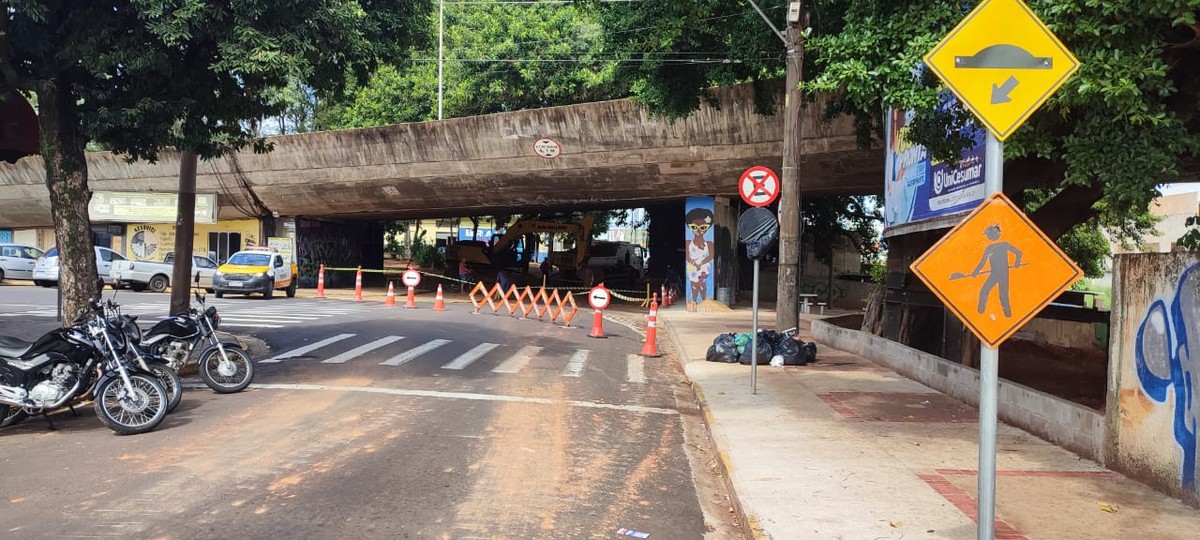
[(700, 252)]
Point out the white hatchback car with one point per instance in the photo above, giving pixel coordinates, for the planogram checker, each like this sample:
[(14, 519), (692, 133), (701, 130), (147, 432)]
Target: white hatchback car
[(17, 261), (45, 273)]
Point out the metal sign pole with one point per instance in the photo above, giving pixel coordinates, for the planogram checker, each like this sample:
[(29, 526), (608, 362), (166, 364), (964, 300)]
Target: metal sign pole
[(989, 377), (754, 336)]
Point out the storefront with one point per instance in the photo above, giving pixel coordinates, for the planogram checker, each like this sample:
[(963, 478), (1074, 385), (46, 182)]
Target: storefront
[(141, 226)]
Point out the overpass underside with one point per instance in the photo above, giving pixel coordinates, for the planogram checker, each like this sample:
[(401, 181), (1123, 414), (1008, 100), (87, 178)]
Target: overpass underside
[(612, 154)]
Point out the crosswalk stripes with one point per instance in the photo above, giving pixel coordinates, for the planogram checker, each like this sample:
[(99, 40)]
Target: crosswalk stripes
[(306, 349), (471, 356), (361, 350), (576, 364), (402, 358), (516, 362), (635, 370)]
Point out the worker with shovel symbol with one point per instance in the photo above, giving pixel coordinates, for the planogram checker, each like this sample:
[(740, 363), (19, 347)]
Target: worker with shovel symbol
[(995, 256)]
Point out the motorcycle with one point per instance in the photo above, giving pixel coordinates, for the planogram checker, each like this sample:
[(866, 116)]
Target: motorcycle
[(126, 327), (224, 366), (68, 365)]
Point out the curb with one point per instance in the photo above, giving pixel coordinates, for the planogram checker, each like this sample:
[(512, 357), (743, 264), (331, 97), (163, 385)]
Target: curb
[(749, 523)]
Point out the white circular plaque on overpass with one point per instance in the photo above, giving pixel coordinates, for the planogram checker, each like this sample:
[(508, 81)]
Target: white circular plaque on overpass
[(547, 148), (599, 297)]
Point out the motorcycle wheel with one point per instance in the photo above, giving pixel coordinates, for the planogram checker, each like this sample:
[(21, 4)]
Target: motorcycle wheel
[(10, 415), (129, 411), (227, 377), (171, 383)]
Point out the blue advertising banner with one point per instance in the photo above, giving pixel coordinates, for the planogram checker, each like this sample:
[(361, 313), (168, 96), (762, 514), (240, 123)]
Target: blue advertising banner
[(485, 233), (699, 250), (918, 188)]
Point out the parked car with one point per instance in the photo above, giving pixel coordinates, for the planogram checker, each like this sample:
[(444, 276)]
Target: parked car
[(256, 270), (156, 276), (45, 272), (17, 261)]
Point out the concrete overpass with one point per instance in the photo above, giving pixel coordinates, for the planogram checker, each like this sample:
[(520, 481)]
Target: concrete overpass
[(613, 154)]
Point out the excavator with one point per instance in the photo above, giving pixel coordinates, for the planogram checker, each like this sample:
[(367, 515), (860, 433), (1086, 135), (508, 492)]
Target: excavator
[(485, 260)]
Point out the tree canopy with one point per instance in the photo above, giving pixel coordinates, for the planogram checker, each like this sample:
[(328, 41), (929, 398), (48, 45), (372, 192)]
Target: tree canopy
[(141, 75), (1126, 123)]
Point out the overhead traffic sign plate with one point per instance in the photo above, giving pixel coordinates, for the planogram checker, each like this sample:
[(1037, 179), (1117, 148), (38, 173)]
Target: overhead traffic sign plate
[(996, 270), (411, 278), (599, 297), (1003, 63), (758, 186)]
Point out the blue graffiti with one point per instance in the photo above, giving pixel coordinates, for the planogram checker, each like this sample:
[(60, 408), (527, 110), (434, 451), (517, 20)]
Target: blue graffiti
[(1165, 363)]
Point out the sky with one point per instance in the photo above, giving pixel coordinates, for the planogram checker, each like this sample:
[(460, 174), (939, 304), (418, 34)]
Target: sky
[(1173, 189)]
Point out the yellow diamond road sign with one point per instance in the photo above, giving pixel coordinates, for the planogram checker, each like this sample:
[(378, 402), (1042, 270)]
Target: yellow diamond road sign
[(996, 270), (1003, 63)]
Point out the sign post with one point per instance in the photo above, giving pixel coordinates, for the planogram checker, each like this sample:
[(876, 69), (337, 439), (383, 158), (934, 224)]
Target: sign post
[(598, 298), (758, 229), (411, 278), (1002, 77)]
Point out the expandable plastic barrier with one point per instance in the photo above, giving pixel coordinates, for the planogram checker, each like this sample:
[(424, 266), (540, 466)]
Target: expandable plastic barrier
[(551, 306)]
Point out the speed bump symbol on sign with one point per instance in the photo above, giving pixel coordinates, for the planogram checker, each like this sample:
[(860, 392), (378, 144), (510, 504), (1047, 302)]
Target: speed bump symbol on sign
[(1003, 63), (996, 270)]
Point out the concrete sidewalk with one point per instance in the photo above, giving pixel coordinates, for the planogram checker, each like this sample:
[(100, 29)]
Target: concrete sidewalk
[(848, 449)]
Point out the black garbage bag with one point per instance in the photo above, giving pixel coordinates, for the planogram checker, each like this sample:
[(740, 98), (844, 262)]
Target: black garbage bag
[(758, 229), (789, 349), (809, 351), (723, 349), (764, 353)]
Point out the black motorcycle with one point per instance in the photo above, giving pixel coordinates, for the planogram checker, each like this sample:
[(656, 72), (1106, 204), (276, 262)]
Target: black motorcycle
[(70, 364), (224, 365), (129, 335)]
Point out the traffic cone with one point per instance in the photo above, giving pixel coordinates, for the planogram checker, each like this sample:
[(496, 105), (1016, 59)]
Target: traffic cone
[(391, 295), (411, 302), (650, 350), (439, 303), (358, 285), (321, 282), (598, 325), (664, 296)]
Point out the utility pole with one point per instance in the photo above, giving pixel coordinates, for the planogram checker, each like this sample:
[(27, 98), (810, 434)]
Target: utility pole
[(185, 226), (786, 313)]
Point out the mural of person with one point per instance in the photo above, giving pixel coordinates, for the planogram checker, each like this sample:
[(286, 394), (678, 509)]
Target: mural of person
[(700, 251)]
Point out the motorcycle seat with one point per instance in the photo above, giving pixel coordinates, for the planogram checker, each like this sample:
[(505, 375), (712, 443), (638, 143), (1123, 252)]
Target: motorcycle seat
[(13, 347)]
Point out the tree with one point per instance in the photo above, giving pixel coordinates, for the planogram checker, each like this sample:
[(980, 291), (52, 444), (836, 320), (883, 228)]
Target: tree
[(1124, 124), (498, 57), (142, 75)]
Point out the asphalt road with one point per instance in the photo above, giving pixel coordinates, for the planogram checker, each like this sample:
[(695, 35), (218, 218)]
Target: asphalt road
[(370, 422)]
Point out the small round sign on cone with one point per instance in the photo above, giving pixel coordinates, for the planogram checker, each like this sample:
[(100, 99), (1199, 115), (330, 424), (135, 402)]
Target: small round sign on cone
[(411, 278), (598, 298)]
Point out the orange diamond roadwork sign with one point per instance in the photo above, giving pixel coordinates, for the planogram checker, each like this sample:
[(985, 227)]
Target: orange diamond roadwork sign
[(996, 270), (1003, 63)]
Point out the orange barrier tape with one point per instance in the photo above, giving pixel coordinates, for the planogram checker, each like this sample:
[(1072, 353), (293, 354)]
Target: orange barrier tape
[(574, 309)]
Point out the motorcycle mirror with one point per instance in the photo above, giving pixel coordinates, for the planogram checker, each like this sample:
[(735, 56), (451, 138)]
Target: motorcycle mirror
[(197, 280)]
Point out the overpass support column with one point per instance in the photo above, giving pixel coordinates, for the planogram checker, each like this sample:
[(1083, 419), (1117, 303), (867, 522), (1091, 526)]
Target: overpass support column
[(786, 313)]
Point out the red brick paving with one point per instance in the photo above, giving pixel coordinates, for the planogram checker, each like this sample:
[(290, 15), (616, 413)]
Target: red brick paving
[(966, 504)]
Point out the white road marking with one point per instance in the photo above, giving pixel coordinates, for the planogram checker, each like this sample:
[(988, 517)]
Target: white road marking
[(635, 369), (405, 356), (576, 364), (250, 325), (359, 351), (471, 356), (306, 349), (456, 395), (518, 361)]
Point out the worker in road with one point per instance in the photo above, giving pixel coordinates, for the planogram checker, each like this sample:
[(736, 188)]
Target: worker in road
[(995, 256)]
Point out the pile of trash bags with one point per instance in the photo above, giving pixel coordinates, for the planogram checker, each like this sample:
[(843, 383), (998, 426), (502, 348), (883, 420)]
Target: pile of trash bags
[(773, 348)]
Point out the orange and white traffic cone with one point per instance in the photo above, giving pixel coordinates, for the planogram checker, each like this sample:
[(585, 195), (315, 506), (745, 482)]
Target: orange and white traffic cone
[(439, 303), (321, 281), (650, 350), (411, 302), (391, 295), (358, 285), (598, 325), (664, 296)]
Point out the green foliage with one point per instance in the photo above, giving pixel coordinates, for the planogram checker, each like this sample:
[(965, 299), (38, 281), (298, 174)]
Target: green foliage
[(498, 57), (1191, 239), (832, 220), (1088, 247)]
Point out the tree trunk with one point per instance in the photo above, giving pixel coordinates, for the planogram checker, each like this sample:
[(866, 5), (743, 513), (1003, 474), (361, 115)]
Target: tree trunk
[(62, 149), (185, 227)]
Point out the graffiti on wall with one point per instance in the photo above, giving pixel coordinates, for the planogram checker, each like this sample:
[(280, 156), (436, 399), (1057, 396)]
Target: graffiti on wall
[(700, 249), (1168, 363)]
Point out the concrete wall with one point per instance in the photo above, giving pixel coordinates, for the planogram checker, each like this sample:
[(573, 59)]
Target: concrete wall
[(1072, 426), (1154, 380)]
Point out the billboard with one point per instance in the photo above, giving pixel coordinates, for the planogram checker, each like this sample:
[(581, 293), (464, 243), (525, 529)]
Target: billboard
[(114, 206), (918, 188)]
